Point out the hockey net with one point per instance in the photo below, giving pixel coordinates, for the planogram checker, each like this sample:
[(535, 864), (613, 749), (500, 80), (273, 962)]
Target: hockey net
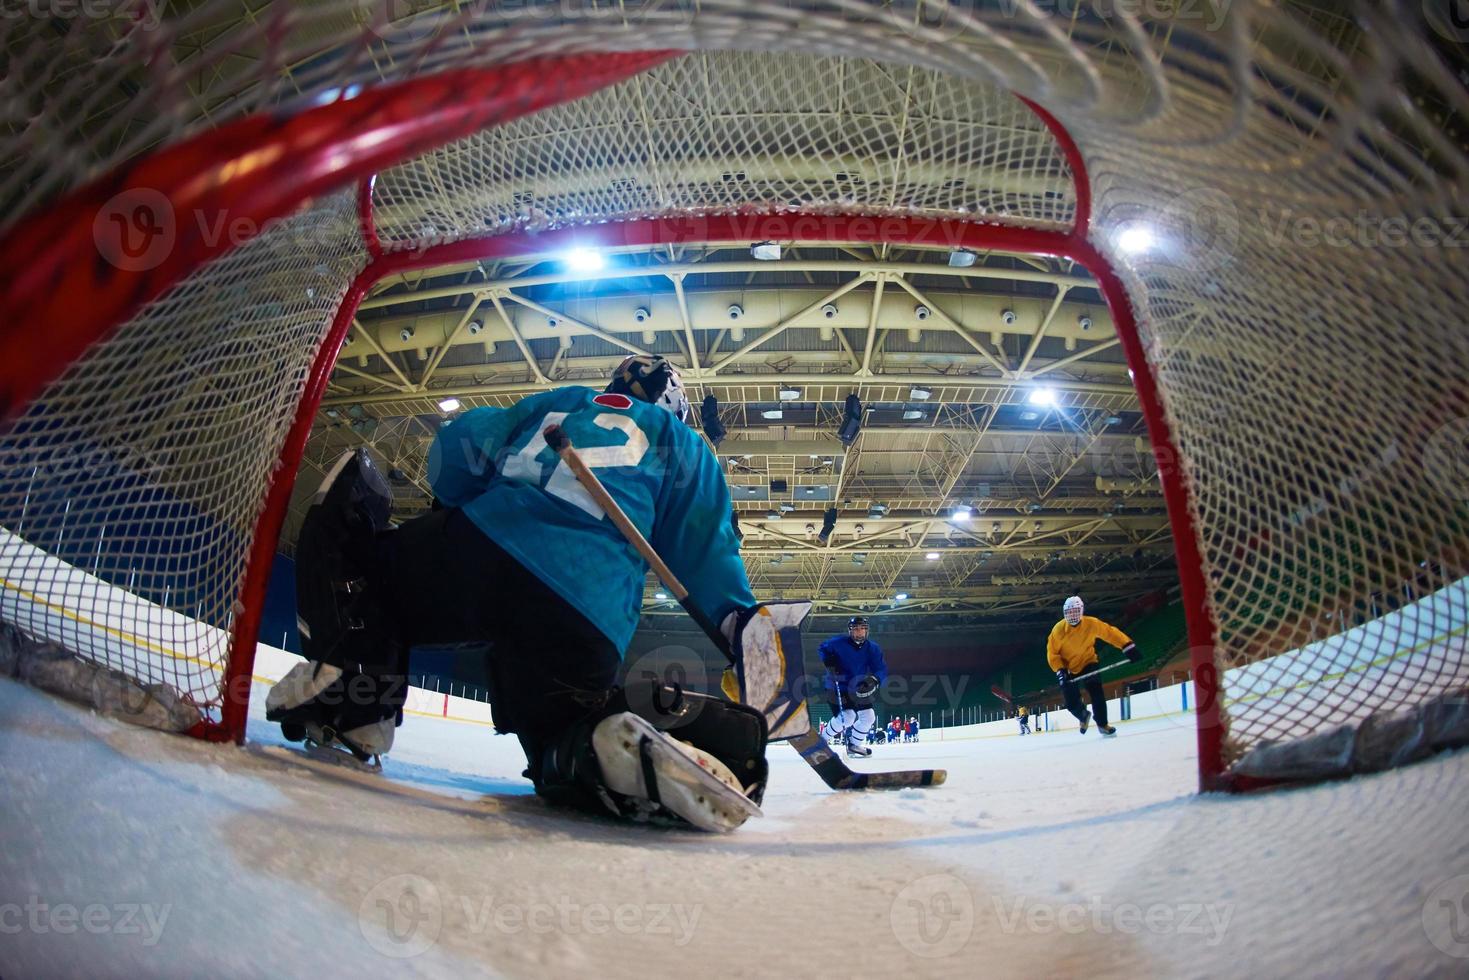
[(190, 198)]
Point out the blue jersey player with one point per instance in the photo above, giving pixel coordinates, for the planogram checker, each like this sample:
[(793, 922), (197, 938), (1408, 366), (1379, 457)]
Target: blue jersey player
[(855, 669), (517, 557)]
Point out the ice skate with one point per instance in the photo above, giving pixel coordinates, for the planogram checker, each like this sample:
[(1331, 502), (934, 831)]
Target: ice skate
[(857, 749), (1106, 731), (1086, 719)]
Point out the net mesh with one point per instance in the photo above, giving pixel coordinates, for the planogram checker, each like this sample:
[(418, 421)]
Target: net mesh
[(131, 489), (1278, 184)]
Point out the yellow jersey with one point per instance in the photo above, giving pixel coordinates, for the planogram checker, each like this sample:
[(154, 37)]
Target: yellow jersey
[(1075, 647)]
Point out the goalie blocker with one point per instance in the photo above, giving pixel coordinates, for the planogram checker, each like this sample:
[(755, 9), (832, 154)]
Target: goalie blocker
[(768, 669)]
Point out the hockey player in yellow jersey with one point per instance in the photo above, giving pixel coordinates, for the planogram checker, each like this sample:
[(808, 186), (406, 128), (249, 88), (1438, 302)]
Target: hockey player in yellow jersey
[(1071, 650)]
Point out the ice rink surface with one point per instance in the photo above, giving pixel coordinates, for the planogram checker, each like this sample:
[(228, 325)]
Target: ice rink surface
[(130, 853)]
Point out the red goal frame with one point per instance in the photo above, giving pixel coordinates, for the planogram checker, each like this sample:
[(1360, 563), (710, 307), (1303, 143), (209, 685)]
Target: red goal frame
[(64, 283)]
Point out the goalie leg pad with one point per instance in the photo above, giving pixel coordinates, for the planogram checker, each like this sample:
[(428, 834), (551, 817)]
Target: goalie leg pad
[(341, 616), (664, 754)]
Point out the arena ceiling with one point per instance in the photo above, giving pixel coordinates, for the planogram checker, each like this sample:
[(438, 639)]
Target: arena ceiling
[(997, 387)]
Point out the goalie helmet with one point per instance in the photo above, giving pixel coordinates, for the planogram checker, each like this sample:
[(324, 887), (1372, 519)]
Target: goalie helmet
[(854, 623), (1072, 609), (652, 379)]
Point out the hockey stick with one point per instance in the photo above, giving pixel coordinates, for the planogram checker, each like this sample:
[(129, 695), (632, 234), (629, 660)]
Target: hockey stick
[(1100, 670), (811, 746)]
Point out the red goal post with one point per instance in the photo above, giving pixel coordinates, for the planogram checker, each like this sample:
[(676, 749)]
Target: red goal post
[(266, 168)]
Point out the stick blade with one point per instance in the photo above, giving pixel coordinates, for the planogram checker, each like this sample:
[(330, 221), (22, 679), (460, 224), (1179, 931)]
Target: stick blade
[(834, 772)]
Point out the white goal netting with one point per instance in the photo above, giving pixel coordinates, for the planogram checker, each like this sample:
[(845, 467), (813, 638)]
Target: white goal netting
[(1280, 187)]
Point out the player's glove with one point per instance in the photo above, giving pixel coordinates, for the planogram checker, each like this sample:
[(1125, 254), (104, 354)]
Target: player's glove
[(866, 687), (1063, 677), (1130, 652)]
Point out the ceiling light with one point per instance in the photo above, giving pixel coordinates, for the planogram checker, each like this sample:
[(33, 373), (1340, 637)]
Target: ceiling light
[(1135, 238), (449, 405), (913, 415), (773, 414), (901, 596), (660, 595), (920, 394), (790, 394), (932, 556), (962, 258), (765, 251), (963, 512), (582, 259), (1029, 416), (1043, 397)]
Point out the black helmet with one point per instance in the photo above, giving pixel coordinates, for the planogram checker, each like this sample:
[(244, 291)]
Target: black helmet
[(855, 622), (652, 379)]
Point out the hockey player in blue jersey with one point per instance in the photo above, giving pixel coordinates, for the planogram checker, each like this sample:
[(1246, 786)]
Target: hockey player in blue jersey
[(854, 671), (519, 558)]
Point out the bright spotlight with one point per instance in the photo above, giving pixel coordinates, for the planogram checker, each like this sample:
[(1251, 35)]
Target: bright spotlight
[(901, 596), (660, 596), (1044, 397), (1133, 239), (582, 259), (932, 556), (963, 512), (449, 405)]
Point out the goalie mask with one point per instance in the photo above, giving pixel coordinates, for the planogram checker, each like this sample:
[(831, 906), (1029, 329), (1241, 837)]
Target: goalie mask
[(855, 624), (652, 379), (1072, 610)]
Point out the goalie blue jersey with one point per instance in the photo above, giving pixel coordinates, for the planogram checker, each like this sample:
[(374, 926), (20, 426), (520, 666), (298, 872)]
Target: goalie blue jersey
[(494, 464)]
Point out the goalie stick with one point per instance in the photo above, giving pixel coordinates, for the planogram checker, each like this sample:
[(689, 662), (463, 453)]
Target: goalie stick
[(810, 745)]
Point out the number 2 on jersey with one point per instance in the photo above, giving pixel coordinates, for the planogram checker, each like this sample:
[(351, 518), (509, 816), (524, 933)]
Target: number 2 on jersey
[(523, 466)]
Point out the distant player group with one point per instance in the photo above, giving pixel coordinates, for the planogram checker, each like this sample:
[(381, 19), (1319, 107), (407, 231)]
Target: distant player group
[(855, 670)]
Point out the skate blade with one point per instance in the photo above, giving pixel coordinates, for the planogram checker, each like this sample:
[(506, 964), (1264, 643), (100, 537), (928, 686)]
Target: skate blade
[(339, 756), (685, 787)]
